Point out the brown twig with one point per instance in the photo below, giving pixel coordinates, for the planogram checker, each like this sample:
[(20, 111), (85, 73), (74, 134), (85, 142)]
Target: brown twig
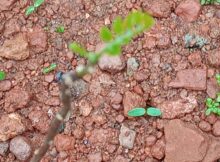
[(65, 97)]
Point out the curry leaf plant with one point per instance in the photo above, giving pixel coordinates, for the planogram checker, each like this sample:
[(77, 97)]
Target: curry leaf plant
[(31, 9), (121, 33), (207, 2), (151, 111)]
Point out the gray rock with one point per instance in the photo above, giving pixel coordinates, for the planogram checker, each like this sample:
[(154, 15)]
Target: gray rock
[(132, 66), (3, 148), (21, 148), (127, 137)]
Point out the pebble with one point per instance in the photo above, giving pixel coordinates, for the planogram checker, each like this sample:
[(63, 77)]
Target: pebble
[(21, 148), (3, 148), (205, 126), (64, 142), (5, 85), (127, 137), (216, 128), (132, 66)]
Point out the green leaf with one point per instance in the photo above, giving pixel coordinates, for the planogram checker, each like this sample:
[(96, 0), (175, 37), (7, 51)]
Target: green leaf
[(37, 3), (208, 112), (93, 58), (137, 112), (105, 34), (50, 68), (117, 25), (209, 102), (152, 111), (203, 2), (76, 48), (29, 10), (2, 75), (60, 29), (113, 49)]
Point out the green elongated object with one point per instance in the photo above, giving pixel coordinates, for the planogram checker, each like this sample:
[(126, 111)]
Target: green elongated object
[(2, 75), (152, 111), (50, 68), (137, 112)]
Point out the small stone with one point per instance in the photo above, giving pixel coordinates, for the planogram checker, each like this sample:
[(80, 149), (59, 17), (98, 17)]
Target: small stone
[(78, 133), (132, 66), (163, 41), (158, 8), (120, 118), (127, 137), (214, 58), (192, 79), (39, 120), (132, 100), (212, 88), (3, 148), (138, 89), (150, 43), (64, 142), (216, 128), (141, 76), (188, 10), (95, 157), (177, 108), (49, 78), (150, 140), (85, 108), (184, 142), (195, 59), (6, 4), (112, 64), (5, 85), (15, 48), (116, 99), (158, 150), (11, 27), (16, 99), (21, 148), (205, 126), (38, 40), (10, 126), (79, 89), (217, 14)]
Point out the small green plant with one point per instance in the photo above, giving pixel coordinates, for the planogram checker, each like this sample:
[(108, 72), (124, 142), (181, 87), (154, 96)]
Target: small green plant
[(50, 68), (31, 9), (121, 33), (217, 77), (213, 105), (151, 111), (2, 75), (60, 29), (207, 2)]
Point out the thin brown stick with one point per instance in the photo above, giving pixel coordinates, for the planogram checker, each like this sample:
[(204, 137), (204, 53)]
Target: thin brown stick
[(65, 97)]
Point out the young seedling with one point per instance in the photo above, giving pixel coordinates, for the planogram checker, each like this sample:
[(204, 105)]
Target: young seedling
[(213, 105), (151, 111), (121, 33), (50, 68), (60, 29), (207, 2), (31, 9), (2, 75), (217, 77)]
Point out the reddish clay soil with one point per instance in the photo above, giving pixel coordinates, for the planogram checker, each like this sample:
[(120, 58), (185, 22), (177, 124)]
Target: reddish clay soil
[(159, 68)]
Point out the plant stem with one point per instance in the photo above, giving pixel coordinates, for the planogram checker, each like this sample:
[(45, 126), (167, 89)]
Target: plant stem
[(65, 97)]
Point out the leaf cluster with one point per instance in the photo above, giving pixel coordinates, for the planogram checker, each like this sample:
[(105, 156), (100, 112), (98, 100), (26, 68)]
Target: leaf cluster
[(151, 111), (213, 105), (31, 9), (120, 33), (2, 75), (60, 29), (207, 2)]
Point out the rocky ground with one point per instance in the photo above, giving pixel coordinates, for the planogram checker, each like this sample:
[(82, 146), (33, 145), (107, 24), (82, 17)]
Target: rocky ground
[(171, 67)]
